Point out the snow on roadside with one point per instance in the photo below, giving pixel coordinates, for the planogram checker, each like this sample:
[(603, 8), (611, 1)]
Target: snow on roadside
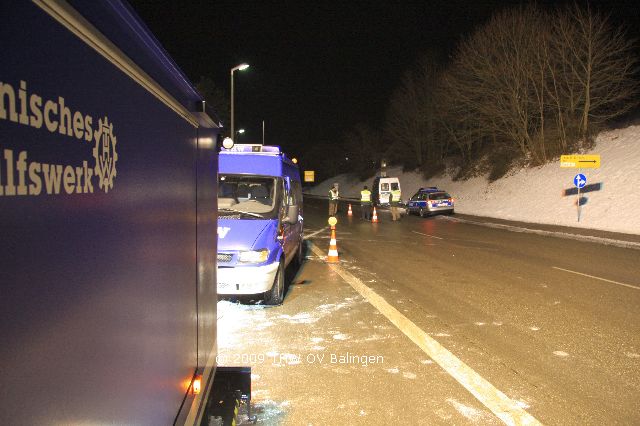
[(536, 194), (236, 320)]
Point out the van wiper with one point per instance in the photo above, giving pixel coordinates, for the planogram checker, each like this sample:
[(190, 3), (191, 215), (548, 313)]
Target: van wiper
[(259, 216)]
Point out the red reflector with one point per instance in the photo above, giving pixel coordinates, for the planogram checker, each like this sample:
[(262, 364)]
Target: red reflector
[(197, 385)]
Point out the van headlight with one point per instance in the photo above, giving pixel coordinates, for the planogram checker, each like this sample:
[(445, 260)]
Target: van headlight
[(253, 256)]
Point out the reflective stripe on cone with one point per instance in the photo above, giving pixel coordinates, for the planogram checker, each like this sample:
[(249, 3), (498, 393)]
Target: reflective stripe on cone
[(332, 257)]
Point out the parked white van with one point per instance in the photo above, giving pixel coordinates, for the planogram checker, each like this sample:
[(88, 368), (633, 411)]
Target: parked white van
[(381, 189)]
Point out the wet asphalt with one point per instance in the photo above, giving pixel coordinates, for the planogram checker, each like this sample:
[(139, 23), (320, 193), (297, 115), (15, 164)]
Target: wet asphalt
[(552, 323)]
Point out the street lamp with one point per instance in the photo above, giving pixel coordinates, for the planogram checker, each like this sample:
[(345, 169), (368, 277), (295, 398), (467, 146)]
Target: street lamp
[(240, 67), (239, 132)]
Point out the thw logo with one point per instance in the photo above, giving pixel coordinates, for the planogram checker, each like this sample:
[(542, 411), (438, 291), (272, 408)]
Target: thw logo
[(105, 154), (223, 231)]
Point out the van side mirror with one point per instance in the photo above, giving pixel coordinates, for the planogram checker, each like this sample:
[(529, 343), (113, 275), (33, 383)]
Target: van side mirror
[(292, 215)]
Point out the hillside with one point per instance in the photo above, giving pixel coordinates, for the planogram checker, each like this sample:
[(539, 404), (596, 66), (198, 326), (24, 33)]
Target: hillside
[(537, 194)]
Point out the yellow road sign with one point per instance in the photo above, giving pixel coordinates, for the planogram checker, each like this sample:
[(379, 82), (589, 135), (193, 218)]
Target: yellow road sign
[(578, 161), (332, 221), (309, 175)]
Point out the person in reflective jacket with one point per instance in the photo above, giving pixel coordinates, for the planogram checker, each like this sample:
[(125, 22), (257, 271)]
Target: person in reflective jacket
[(365, 203), (394, 202), (333, 200)]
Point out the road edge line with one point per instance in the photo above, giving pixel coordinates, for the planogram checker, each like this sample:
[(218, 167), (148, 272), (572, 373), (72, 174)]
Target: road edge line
[(427, 235), (557, 234), (597, 278)]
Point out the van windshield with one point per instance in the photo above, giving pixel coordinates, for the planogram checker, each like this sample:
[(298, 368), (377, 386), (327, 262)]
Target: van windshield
[(248, 196)]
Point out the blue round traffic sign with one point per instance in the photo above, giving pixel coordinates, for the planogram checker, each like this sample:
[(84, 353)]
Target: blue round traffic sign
[(580, 180)]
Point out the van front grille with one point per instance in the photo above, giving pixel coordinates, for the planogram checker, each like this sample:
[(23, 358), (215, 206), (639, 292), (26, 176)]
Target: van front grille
[(224, 257)]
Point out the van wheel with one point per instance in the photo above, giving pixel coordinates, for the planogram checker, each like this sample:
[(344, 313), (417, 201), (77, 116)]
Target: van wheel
[(276, 294), (423, 212)]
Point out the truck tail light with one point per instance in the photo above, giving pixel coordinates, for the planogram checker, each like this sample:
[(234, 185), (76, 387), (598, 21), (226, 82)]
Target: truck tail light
[(197, 384)]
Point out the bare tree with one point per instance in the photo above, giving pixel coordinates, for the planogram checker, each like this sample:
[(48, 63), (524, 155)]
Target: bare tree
[(530, 81), (363, 150), (598, 67), (497, 77), (410, 119), (458, 125)]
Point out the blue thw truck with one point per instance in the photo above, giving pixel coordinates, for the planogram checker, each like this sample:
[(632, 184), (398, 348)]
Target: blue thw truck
[(108, 219)]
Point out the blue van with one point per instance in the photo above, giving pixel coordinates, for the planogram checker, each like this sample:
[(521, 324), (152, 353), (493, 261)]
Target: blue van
[(260, 222)]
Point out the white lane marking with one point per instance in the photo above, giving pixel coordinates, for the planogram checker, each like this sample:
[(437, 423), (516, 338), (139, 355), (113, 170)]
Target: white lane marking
[(597, 278), (500, 404), (315, 233), (427, 235), (381, 241)]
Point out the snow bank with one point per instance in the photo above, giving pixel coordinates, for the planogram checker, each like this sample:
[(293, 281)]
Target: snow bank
[(537, 194)]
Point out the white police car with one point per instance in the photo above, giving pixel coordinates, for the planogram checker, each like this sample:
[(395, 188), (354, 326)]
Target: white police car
[(431, 200)]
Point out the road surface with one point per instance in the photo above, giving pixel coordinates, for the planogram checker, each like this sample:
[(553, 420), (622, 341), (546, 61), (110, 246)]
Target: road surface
[(440, 321)]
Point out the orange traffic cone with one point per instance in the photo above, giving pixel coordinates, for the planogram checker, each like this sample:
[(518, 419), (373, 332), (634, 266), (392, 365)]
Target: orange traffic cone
[(350, 212), (333, 248), (374, 219)]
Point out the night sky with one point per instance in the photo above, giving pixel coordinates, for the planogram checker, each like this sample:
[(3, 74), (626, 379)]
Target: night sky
[(317, 68)]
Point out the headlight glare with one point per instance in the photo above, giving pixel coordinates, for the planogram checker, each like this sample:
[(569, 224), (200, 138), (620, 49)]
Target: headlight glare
[(254, 256)]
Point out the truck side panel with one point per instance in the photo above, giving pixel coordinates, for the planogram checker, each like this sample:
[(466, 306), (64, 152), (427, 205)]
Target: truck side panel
[(207, 250), (107, 243)]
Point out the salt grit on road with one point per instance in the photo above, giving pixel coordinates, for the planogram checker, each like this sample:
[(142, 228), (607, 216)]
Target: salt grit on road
[(326, 356)]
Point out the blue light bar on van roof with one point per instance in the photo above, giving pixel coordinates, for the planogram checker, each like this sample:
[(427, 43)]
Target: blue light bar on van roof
[(430, 189), (252, 148)]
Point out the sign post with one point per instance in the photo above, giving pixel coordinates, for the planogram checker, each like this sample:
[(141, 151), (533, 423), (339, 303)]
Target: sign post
[(580, 161), (579, 181)]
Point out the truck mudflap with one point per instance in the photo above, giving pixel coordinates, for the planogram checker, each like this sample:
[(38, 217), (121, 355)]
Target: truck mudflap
[(230, 400)]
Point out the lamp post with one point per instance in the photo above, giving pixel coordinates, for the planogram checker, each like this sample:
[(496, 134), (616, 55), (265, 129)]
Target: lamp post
[(239, 132), (240, 67)]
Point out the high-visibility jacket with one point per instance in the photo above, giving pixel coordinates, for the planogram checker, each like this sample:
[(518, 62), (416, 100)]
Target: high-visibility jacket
[(396, 196), (365, 196), (333, 195)]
